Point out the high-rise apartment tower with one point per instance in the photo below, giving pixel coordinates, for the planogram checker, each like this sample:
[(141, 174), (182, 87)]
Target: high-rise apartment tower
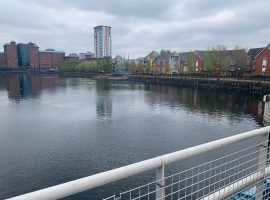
[(102, 41)]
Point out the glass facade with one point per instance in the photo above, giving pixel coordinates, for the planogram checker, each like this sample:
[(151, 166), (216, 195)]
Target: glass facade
[(23, 55)]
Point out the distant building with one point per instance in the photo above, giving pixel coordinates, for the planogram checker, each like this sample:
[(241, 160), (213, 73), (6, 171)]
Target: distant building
[(33, 55), (184, 56), (260, 60), (102, 41), (86, 56), (2, 59), (161, 64), (150, 58), (50, 58), (72, 56), (198, 57), (23, 55), (10, 51), (166, 64)]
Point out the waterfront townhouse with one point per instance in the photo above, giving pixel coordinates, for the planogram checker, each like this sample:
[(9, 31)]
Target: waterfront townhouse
[(174, 62), (150, 59), (224, 62), (183, 60), (161, 65), (166, 64), (199, 57), (259, 59)]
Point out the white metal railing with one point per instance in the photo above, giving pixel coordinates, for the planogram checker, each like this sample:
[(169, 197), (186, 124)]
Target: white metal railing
[(226, 177)]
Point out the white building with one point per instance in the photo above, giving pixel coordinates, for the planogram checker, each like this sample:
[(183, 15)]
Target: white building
[(102, 41)]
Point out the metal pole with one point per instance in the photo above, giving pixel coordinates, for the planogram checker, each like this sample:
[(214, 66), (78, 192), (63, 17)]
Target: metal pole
[(262, 165), (160, 183)]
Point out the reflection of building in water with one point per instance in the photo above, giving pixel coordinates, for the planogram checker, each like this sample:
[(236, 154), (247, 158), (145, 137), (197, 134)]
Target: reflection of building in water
[(21, 86), (214, 103), (104, 101)]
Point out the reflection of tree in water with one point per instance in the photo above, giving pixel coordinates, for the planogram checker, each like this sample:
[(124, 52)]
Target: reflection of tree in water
[(104, 100), (209, 102)]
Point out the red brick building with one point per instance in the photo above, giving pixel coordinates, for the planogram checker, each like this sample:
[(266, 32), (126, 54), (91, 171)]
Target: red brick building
[(10, 51), (260, 60), (184, 61), (2, 59), (50, 58), (33, 55), (198, 61)]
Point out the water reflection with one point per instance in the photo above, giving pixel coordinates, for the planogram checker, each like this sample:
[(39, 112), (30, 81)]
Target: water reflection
[(210, 102), (68, 128), (23, 86), (104, 105)]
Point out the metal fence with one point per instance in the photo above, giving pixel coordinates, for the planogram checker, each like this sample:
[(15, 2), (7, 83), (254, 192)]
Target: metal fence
[(239, 175)]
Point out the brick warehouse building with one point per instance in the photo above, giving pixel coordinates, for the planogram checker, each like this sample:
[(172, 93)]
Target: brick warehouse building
[(50, 58), (33, 55), (23, 55), (10, 51)]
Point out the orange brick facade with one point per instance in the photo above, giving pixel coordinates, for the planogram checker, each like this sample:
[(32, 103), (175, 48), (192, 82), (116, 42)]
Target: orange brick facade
[(198, 63), (10, 51), (50, 59), (37, 59), (33, 55)]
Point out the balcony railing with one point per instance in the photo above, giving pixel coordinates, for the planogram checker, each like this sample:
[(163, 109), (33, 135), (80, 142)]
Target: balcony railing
[(241, 174)]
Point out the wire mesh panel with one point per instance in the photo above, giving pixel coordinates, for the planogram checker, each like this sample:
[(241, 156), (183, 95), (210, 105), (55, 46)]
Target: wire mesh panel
[(240, 175)]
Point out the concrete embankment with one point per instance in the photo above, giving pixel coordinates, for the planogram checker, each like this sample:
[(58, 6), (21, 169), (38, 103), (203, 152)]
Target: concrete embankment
[(209, 83)]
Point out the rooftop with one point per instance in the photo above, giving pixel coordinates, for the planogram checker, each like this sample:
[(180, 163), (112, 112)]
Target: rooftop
[(101, 26), (252, 53)]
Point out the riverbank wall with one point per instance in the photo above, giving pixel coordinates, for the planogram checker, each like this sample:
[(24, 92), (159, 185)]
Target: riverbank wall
[(207, 83)]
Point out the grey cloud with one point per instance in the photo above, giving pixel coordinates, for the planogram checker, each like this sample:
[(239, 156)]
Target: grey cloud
[(138, 27)]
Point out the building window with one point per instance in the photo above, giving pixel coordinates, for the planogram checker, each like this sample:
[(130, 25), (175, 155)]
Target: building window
[(264, 64)]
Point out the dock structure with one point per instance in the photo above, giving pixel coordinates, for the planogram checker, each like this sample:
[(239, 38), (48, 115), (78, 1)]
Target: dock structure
[(241, 172), (222, 83)]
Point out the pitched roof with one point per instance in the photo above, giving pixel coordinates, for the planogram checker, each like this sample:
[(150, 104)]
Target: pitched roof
[(252, 53), (152, 54), (163, 57), (185, 56), (201, 53)]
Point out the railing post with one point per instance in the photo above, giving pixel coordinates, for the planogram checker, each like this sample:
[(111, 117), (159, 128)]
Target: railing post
[(263, 151), (160, 183)]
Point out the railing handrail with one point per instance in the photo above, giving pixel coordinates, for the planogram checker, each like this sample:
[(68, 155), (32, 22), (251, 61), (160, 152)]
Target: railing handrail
[(93, 181)]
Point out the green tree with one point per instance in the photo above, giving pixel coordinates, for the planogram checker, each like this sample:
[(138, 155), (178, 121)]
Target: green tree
[(147, 68), (68, 65), (208, 63), (88, 66), (165, 52), (105, 65), (191, 64)]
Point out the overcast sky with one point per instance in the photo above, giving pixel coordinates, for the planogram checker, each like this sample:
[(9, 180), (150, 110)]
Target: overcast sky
[(138, 26)]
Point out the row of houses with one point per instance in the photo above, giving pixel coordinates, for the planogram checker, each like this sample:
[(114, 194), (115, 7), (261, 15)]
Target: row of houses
[(239, 61)]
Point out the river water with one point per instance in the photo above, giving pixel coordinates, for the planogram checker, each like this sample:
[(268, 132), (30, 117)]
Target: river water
[(56, 129)]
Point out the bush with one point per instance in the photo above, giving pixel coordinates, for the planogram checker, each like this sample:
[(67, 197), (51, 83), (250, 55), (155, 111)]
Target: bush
[(256, 76), (68, 65), (88, 66)]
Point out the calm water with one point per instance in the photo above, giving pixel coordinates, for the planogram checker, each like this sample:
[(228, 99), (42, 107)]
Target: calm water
[(55, 129)]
